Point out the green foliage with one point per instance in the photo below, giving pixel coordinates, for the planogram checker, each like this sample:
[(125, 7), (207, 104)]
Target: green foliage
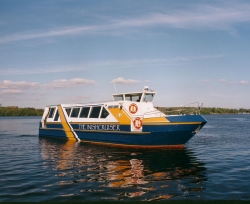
[(203, 110), (16, 111)]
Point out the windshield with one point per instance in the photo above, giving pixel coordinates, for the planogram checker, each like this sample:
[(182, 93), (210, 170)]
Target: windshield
[(118, 97), (148, 97), (133, 97)]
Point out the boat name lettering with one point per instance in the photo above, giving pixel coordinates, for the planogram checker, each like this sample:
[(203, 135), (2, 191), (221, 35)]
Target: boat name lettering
[(99, 127)]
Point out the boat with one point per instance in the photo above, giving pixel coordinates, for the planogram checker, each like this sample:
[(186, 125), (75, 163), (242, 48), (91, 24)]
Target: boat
[(130, 119)]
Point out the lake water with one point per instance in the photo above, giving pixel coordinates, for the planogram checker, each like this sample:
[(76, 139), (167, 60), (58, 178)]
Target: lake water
[(215, 164)]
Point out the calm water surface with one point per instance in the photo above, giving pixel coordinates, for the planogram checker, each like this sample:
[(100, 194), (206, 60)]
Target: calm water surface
[(215, 164)]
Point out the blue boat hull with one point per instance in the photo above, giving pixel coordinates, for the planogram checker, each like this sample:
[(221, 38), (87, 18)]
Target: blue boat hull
[(177, 132)]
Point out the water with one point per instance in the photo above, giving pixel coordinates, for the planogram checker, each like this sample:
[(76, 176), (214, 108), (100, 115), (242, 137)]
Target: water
[(214, 165)]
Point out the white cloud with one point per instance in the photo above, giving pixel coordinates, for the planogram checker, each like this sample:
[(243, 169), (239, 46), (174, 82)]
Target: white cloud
[(220, 17), (6, 84), (110, 64), (207, 80), (12, 91), (10, 94), (76, 99), (60, 69), (42, 34), (244, 82), (120, 80), (64, 83), (223, 80)]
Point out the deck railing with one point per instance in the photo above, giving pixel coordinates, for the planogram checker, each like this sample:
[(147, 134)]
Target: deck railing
[(187, 109), (156, 113)]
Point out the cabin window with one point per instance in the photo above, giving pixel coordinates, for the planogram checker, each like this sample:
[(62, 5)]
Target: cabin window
[(51, 112), (95, 111), (104, 113), (148, 97), (84, 112), (133, 97), (68, 111), (75, 112), (56, 116), (118, 97)]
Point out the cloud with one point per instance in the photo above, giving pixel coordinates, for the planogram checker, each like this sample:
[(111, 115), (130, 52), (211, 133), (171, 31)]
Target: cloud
[(10, 94), (76, 99), (120, 80), (60, 69), (207, 80), (51, 33), (110, 64), (11, 91), (205, 16), (220, 17), (6, 84), (244, 82), (223, 80), (64, 83)]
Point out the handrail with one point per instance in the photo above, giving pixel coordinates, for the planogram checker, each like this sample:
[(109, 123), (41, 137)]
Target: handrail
[(154, 112), (190, 110)]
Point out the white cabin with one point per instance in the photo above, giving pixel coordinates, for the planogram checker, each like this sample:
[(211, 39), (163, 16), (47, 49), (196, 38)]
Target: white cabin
[(133, 104)]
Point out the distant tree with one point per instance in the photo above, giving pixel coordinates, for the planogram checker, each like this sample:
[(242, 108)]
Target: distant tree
[(16, 111), (204, 110)]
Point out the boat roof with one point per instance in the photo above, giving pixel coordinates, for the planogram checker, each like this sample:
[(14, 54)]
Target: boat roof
[(145, 90)]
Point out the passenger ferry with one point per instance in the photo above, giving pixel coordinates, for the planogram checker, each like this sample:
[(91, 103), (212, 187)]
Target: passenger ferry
[(130, 119)]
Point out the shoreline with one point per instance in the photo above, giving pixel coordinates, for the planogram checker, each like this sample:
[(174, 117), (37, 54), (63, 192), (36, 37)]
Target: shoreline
[(29, 111)]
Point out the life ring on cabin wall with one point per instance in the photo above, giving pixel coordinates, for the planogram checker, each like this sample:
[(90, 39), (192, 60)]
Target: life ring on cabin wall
[(137, 123), (133, 108)]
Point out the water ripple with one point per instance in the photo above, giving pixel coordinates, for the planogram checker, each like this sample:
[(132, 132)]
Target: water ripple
[(214, 165)]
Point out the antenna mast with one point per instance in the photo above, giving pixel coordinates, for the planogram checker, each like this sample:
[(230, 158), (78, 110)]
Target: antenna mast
[(115, 88)]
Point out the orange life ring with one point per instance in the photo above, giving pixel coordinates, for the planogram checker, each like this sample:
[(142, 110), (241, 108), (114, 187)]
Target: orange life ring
[(137, 123), (133, 108)]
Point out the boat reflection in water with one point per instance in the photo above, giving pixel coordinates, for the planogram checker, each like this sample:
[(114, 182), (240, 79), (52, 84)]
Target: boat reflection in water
[(94, 172)]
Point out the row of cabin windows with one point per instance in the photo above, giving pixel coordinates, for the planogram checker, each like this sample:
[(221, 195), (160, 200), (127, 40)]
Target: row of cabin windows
[(87, 112)]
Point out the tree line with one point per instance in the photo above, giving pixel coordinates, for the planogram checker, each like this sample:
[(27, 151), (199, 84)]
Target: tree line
[(202, 110), (16, 111)]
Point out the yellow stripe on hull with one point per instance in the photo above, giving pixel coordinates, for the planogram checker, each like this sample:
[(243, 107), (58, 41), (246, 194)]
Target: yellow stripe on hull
[(174, 123), (65, 125), (155, 120)]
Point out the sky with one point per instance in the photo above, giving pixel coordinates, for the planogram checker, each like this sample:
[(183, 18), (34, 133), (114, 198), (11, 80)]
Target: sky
[(75, 51)]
